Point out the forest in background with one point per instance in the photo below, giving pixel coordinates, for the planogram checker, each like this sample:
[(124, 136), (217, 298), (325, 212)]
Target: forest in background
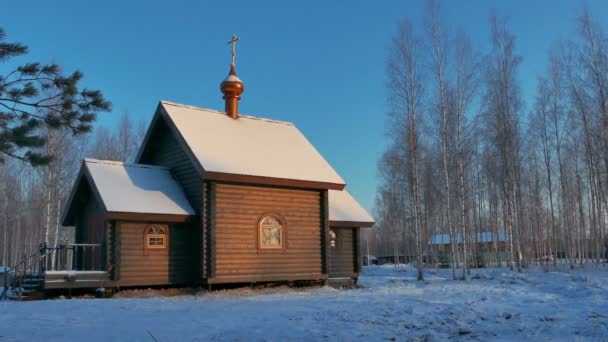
[(32, 204), (468, 156)]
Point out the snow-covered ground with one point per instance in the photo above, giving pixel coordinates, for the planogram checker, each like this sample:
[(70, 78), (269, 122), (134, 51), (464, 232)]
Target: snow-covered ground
[(499, 305)]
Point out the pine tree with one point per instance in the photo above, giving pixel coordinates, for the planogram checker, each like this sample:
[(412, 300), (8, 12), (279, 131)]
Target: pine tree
[(25, 105)]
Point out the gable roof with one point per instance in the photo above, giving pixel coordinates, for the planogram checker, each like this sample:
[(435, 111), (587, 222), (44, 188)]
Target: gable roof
[(345, 211), (248, 149), (123, 189)]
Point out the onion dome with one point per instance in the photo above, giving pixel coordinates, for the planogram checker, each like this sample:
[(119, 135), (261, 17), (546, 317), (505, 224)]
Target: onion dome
[(232, 87)]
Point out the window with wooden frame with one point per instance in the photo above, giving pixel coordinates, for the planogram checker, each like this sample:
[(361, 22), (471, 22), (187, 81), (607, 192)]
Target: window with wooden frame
[(333, 239), (156, 237), (271, 232)]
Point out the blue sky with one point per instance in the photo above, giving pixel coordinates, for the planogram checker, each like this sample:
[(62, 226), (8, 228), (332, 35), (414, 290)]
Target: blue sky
[(319, 64)]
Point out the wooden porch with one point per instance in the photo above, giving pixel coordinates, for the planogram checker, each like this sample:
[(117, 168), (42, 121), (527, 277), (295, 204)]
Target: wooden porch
[(76, 279), (72, 266), (66, 266)]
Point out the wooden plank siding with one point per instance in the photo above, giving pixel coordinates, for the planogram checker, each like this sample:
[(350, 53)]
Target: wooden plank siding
[(210, 218), (110, 248), (116, 251), (237, 210), (164, 148), (176, 265), (90, 229), (206, 255), (342, 257)]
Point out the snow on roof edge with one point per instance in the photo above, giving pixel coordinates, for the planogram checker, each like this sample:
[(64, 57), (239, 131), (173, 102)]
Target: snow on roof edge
[(343, 206), (224, 113), (158, 191), (118, 163)]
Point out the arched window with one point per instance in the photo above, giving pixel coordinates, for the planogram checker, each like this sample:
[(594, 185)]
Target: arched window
[(271, 232), (156, 237), (333, 239)]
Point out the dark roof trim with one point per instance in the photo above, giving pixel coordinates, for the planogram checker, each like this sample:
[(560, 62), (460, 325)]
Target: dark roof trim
[(161, 114), (83, 175), (256, 180), (350, 224), (89, 178), (147, 217), (67, 208), (144, 143), (178, 135)]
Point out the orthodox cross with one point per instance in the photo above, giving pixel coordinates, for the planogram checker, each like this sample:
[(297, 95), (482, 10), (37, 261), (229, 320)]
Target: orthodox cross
[(233, 41)]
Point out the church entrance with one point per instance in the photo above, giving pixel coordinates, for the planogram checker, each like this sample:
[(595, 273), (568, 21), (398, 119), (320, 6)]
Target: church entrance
[(341, 253)]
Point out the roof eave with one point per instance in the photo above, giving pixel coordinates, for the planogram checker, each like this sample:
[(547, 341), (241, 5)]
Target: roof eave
[(296, 183), (84, 175), (180, 138), (161, 114), (144, 143), (149, 217), (65, 219), (351, 224)]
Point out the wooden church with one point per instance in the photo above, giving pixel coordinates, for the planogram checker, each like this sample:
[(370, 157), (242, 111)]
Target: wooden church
[(214, 197)]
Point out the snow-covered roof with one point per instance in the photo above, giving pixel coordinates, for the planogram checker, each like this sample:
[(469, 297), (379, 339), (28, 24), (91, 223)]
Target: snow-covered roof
[(150, 189), (344, 210), (443, 239), (249, 146), (136, 188)]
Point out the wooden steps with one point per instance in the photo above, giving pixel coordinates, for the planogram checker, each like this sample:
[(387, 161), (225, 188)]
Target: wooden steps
[(29, 287)]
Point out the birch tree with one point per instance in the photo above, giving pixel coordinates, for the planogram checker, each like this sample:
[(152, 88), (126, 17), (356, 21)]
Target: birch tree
[(545, 190), (405, 85), (502, 107), (465, 74), (126, 138), (438, 65)]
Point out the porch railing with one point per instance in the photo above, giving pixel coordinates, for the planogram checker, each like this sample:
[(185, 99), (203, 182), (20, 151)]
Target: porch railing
[(63, 257)]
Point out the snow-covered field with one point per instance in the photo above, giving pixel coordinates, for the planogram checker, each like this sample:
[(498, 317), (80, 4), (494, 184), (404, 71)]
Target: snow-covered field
[(499, 305)]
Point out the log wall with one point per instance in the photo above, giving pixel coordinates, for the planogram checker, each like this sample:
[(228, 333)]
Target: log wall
[(237, 210), (140, 267), (164, 148)]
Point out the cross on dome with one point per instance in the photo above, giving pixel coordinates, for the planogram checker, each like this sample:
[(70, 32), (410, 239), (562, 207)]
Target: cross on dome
[(233, 41)]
